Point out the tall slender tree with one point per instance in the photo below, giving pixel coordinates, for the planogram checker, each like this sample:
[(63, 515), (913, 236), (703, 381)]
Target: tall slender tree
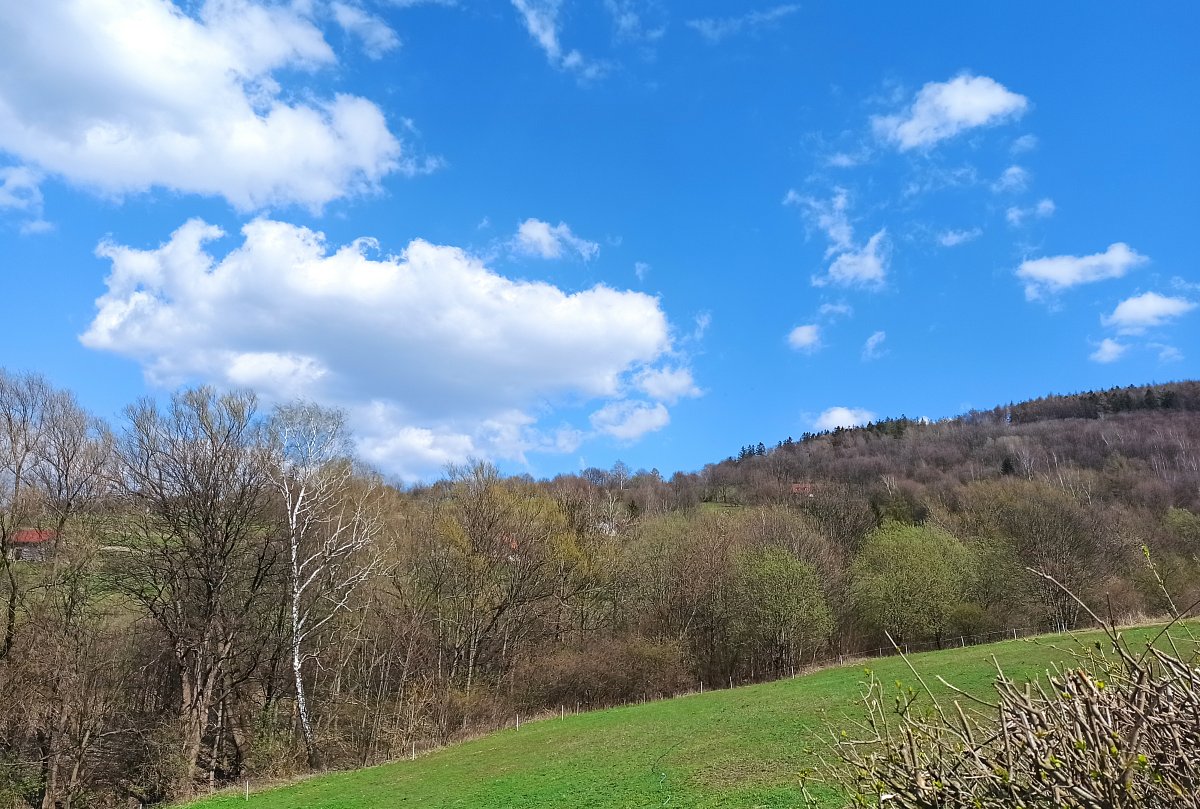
[(332, 521)]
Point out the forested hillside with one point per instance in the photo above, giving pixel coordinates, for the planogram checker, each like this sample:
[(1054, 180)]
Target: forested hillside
[(206, 590)]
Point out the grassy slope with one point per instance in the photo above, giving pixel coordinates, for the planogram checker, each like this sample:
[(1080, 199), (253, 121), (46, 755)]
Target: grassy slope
[(739, 748)]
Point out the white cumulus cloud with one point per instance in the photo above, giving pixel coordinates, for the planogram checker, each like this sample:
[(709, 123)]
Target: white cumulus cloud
[(667, 384), (427, 349), (835, 417), (805, 338), (1108, 351), (126, 96), (630, 420), (1046, 276), (1148, 310), (537, 238), (942, 110)]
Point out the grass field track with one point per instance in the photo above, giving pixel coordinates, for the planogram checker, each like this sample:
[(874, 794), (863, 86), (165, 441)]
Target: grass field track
[(742, 747)]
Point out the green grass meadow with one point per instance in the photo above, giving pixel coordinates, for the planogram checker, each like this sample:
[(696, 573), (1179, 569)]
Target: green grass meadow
[(738, 748)]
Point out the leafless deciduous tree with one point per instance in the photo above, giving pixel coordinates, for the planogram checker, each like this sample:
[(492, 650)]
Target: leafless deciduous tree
[(53, 457), (200, 546), (332, 520)]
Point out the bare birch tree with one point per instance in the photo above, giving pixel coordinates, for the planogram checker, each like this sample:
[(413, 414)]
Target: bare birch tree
[(332, 521)]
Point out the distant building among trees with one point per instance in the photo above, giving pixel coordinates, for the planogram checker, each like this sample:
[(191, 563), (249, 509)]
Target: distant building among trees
[(31, 545)]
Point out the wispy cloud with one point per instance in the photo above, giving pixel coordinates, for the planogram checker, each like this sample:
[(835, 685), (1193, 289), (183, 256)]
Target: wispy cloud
[(830, 216), (1014, 180), (537, 238), (1046, 276), (1017, 216), (541, 21), (953, 238), (852, 266), (846, 160), (715, 29), (1023, 144), (929, 178), (863, 267), (835, 310), (1167, 353), (1185, 285), (20, 188), (376, 36), (873, 349), (942, 110), (21, 191), (630, 24)]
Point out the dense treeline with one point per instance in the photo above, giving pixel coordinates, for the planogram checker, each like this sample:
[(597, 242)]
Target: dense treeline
[(206, 591)]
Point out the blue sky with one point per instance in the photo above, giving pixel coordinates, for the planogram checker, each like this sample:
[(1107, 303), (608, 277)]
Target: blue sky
[(558, 234)]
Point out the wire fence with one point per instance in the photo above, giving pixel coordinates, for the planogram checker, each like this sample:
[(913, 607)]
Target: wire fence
[(411, 749), (952, 642), (816, 663)]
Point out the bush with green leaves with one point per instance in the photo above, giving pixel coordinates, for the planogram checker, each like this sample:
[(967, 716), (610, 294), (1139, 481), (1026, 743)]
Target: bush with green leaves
[(781, 612), (908, 580)]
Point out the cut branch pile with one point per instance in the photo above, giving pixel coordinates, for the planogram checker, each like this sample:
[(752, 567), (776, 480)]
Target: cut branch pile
[(1115, 730)]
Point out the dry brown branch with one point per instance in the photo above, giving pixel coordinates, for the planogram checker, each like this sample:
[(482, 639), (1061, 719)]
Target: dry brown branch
[(1114, 730)]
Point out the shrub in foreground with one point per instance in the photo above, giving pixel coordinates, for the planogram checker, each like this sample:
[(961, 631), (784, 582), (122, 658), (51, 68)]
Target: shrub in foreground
[(1117, 729)]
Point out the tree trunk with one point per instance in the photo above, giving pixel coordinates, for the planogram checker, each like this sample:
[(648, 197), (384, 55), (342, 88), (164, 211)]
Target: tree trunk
[(10, 612), (310, 748)]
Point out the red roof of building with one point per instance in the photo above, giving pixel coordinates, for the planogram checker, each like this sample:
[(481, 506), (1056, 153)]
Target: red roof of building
[(31, 536)]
